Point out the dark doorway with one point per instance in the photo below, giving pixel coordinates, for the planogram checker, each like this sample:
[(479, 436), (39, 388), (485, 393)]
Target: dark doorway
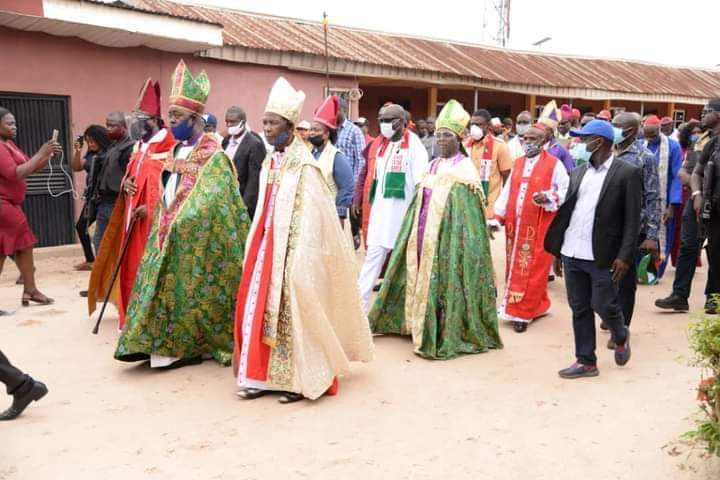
[(37, 115)]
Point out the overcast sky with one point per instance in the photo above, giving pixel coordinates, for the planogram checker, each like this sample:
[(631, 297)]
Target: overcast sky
[(650, 30)]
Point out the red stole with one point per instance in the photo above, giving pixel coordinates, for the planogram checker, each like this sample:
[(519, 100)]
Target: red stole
[(258, 351), (528, 269), (146, 168), (376, 148)]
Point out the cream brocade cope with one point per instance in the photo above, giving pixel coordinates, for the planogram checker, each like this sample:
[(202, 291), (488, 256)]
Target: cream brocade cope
[(313, 318), (419, 275)]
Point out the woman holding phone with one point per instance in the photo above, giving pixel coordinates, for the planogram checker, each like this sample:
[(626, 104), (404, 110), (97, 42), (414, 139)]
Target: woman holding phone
[(16, 236)]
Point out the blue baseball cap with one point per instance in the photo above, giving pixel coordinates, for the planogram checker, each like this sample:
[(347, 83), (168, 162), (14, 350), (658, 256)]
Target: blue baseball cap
[(600, 128), (210, 119)]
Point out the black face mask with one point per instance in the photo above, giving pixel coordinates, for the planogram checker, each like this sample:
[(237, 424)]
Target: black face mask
[(317, 141)]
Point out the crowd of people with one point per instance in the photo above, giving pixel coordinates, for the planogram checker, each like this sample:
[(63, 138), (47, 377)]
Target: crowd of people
[(241, 247)]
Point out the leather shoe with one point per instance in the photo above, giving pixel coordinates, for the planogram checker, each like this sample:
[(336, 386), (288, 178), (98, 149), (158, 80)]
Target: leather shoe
[(290, 397), (578, 370), (251, 393), (623, 352), (20, 401), (520, 327), (711, 306), (673, 302)]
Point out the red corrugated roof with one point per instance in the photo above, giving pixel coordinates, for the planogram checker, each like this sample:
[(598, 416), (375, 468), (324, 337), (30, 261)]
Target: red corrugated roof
[(264, 32)]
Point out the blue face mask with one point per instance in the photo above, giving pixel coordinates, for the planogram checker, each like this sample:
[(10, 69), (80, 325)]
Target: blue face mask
[(281, 139), (619, 137), (694, 138), (183, 131)]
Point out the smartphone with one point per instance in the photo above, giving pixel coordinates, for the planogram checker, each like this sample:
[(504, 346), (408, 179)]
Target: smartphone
[(55, 135), (80, 139)]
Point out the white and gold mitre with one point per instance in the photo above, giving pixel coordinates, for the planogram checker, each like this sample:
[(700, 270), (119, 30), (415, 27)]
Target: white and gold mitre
[(285, 101)]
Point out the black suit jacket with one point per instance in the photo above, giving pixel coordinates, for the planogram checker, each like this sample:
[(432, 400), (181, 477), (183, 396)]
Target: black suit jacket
[(617, 217), (248, 161)]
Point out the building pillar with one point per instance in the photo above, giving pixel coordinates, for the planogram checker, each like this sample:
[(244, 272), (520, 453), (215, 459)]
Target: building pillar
[(670, 109), (432, 100), (530, 103), (606, 104), (475, 101)]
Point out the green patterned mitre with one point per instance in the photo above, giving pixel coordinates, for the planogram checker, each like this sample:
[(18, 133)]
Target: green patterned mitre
[(453, 117), (187, 92)]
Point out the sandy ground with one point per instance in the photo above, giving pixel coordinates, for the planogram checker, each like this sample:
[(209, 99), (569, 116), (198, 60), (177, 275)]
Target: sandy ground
[(500, 415)]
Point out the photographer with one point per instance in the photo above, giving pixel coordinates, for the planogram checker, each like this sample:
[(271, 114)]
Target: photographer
[(97, 140), (705, 185)]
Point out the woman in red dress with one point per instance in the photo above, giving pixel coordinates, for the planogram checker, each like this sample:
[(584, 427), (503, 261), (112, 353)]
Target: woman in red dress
[(16, 237)]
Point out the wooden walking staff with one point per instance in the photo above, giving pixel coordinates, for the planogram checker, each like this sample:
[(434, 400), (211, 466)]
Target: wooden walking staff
[(115, 273)]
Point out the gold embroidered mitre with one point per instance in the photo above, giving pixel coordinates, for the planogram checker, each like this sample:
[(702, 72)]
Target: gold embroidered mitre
[(285, 101)]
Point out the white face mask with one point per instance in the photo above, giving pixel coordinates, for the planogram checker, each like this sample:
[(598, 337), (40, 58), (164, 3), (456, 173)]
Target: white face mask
[(522, 128), (236, 129), (387, 130), (476, 132)]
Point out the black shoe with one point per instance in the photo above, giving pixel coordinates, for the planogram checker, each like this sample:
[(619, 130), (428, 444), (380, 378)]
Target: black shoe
[(551, 278), (20, 402), (376, 288), (623, 352), (134, 357), (578, 370), (520, 327), (356, 241), (673, 302), (84, 293), (603, 326), (290, 397), (711, 307), (251, 393)]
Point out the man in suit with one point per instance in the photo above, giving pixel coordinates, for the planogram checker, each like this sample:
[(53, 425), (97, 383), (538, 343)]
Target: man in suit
[(247, 151), (21, 386), (595, 233)]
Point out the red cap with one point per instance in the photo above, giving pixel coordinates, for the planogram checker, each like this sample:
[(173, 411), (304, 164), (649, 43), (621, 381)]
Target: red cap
[(566, 113), (604, 115), (666, 120), (149, 99), (652, 120), (327, 112), (576, 113)]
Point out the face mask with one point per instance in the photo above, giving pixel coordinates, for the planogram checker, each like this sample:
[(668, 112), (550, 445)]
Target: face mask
[(619, 137), (476, 132), (281, 139), (317, 141), (236, 130), (580, 153), (387, 130), (531, 150), (183, 131), (522, 128), (694, 138)]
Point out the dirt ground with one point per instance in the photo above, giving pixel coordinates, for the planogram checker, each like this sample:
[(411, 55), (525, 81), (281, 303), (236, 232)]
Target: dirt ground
[(501, 415)]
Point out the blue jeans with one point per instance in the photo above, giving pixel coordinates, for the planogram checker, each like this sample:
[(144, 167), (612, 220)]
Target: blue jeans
[(104, 211), (590, 290)]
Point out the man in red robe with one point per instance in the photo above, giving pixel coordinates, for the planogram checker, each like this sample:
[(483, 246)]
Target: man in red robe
[(526, 206), (141, 191)]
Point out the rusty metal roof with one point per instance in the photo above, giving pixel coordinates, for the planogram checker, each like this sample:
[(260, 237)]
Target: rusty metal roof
[(264, 32)]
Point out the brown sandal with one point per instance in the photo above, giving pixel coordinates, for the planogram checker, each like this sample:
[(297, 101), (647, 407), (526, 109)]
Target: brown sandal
[(36, 297)]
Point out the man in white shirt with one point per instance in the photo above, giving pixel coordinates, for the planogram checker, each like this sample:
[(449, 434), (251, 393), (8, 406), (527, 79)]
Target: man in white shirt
[(595, 232), (400, 163)]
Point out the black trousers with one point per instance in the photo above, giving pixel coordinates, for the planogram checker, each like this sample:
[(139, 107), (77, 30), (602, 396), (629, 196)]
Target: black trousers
[(713, 252), (627, 288), (82, 230), (11, 376), (591, 289), (688, 254)]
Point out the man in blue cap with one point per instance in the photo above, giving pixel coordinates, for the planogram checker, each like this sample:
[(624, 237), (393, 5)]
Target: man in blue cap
[(595, 233)]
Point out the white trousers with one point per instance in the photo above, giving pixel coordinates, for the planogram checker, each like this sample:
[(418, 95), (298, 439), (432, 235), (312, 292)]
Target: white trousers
[(374, 261)]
